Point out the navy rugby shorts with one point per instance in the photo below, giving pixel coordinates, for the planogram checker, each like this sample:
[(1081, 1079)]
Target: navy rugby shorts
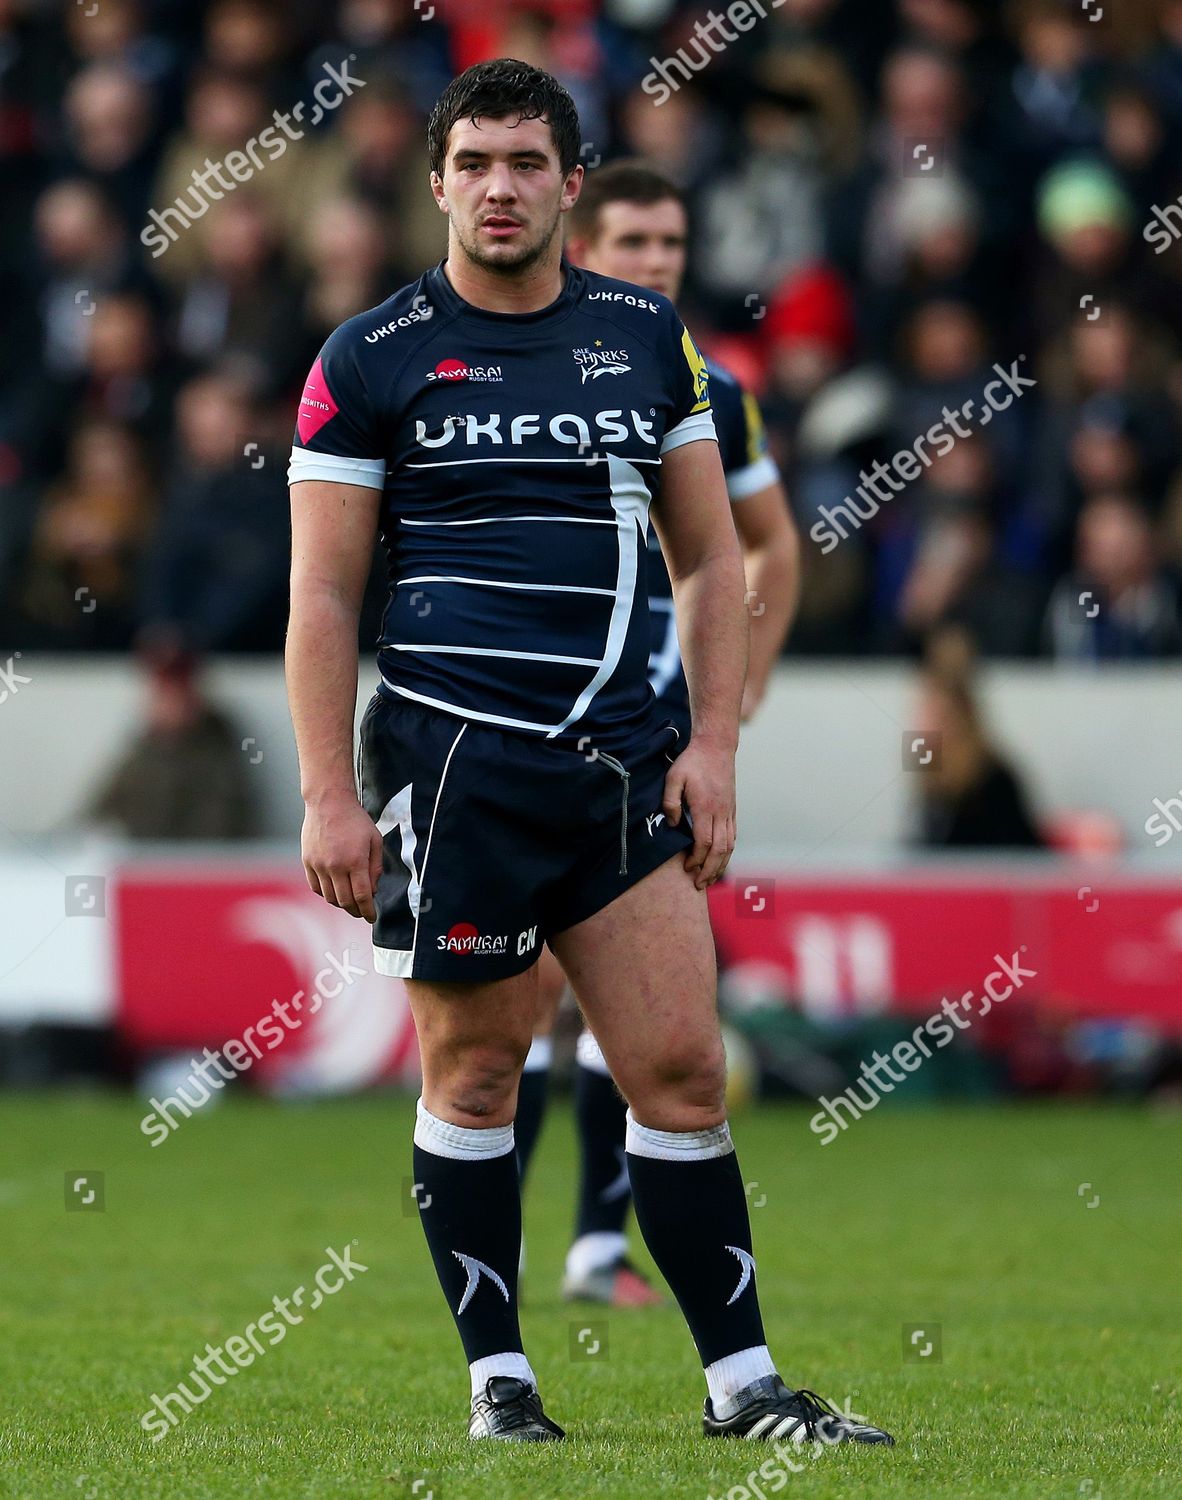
[(494, 840)]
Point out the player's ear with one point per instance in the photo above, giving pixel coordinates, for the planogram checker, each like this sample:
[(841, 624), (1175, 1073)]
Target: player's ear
[(576, 249), (437, 189), (570, 189)]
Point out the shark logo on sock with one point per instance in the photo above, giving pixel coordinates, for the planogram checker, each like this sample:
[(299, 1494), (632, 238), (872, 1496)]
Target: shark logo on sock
[(619, 1185), (747, 1261), (474, 1267)]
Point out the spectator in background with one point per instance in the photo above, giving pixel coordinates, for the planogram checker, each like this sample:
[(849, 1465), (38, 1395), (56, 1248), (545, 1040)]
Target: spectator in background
[(762, 220), (1085, 220), (943, 545), (384, 164), (186, 774), (1118, 603), (84, 253), (1140, 147), (1052, 106), (1105, 422), (1162, 68), (223, 112), (390, 39), (825, 421), (254, 39), (939, 223), (810, 338), (216, 573), (969, 796), (127, 376), (108, 117), (857, 32), (87, 541), (241, 302), (921, 130), (116, 32), (349, 269), (967, 30), (683, 139), (943, 360)]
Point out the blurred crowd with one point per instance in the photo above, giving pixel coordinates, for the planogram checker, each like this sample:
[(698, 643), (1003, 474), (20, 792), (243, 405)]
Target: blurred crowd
[(891, 201)]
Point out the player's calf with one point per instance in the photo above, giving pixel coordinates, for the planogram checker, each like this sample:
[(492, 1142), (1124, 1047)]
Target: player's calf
[(468, 1192)]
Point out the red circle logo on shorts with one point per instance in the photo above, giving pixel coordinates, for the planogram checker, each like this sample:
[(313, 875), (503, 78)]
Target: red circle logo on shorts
[(451, 369), (462, 938)]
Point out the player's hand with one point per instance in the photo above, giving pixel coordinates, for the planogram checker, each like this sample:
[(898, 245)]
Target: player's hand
[(703, 777), (342, 853)]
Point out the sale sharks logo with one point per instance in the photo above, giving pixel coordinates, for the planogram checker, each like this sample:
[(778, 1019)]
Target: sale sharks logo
[(598, 361)]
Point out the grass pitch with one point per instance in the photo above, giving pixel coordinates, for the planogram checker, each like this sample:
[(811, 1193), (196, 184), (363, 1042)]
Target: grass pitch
[(1036, 1249)]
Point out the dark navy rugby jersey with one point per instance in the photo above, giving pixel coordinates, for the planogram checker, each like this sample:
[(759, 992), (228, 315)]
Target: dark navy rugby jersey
[(749, 467), (517, 454)]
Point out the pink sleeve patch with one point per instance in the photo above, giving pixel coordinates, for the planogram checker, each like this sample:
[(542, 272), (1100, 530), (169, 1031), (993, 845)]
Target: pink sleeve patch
[(316, 405)]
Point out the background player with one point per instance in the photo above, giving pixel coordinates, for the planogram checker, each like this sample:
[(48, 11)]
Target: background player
[(471, 747), (630, 222)]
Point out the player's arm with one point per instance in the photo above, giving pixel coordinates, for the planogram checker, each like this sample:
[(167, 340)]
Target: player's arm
[(692, 515), (771, 562), (333, 529)]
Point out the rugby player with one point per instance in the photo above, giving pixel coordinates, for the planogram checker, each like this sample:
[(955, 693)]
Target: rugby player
[(506, 422), (630, 222)]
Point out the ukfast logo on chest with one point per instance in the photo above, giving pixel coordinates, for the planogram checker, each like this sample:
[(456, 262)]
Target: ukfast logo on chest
[(497, 429)]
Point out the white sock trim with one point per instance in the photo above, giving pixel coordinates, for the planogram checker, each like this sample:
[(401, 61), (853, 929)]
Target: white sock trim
[(726, 1377), (539, 1056), (677, 1145), (509, 1363), (442, 1138), (592, 1251), (588, 1055)]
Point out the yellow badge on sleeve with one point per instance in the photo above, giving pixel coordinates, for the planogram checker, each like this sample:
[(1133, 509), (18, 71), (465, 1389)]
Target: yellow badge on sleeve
[(698, 370), (756, 434)]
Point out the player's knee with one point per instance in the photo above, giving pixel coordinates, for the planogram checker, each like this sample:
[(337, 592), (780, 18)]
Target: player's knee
[(692, 1080), (482, 1081)]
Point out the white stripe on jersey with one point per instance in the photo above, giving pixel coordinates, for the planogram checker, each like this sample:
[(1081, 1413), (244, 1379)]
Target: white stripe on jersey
[(570, 661), (467, 713), (630, 501), (493, 520), (498, 583)]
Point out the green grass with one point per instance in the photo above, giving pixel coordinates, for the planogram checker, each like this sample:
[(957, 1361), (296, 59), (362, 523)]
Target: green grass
[(1060, 1324)]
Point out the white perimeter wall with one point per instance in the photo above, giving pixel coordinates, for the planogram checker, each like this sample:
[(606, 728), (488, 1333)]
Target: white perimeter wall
[(821, 769)]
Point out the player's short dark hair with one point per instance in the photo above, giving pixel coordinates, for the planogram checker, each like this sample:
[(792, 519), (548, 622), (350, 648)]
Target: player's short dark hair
[(630, 181), (504, 86)]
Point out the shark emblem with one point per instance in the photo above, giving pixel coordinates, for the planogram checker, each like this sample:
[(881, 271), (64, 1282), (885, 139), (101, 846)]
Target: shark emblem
[(619, 1185), (474, 1268), (747, 1262)]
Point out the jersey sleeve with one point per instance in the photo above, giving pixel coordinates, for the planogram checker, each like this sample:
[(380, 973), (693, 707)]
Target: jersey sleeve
[(338, 436), (692, 418), (753, 468)]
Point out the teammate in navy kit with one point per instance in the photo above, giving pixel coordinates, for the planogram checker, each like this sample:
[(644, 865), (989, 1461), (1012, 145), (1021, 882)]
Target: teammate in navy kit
[(631, 222), (506, 423)]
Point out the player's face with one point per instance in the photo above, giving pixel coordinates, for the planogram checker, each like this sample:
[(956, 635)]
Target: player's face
[(504, 191), (640, 242)]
